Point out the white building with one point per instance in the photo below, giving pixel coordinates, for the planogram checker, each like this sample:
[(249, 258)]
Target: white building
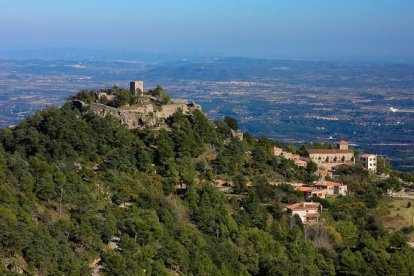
[(307, 211), (369, 161)]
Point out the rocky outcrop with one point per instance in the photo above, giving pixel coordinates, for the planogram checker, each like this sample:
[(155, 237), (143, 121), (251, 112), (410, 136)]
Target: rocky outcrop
[(15, 264)]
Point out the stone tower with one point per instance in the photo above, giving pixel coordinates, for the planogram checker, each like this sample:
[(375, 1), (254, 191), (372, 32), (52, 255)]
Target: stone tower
[(136, 87), (343, 145)]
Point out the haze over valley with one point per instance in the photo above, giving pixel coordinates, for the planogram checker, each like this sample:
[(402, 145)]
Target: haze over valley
[(288, 100)]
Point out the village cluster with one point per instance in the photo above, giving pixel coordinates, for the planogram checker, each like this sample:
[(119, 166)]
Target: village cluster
[(327, 160)]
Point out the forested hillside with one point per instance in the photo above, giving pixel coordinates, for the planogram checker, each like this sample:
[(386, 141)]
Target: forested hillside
[(78, 191)]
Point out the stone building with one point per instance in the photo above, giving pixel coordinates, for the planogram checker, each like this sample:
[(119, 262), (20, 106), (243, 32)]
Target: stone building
[(300, 163), (312, 191), (330, 158), (285, 154), (324, 173), (332, 188), (342, 145), (369, 161), (136, 87)]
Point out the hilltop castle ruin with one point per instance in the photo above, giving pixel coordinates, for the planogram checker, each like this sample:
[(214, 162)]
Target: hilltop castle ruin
[(148, 112)]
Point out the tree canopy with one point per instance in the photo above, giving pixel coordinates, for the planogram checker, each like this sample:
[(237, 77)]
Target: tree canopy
[(78, 190)]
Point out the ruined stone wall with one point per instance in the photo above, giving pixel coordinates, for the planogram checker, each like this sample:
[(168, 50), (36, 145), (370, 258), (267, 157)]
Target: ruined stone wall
[(103, 110), (169, 109), (143, 116), (145, 109), (132, 119)]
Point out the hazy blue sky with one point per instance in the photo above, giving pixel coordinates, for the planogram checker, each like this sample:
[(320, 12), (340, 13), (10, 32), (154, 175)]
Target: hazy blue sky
[(265, 28)]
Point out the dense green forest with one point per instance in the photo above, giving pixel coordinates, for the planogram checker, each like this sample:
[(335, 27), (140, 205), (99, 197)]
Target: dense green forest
[(78, 189)]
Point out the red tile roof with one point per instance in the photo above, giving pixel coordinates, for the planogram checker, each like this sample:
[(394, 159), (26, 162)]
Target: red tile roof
[(327, 183), (303, 206), (304, 189), (366, 155), (328, 151)]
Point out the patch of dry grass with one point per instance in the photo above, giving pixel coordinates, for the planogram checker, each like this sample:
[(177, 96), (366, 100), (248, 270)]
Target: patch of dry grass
[(398, 214), (179, 209), (398, 208)]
